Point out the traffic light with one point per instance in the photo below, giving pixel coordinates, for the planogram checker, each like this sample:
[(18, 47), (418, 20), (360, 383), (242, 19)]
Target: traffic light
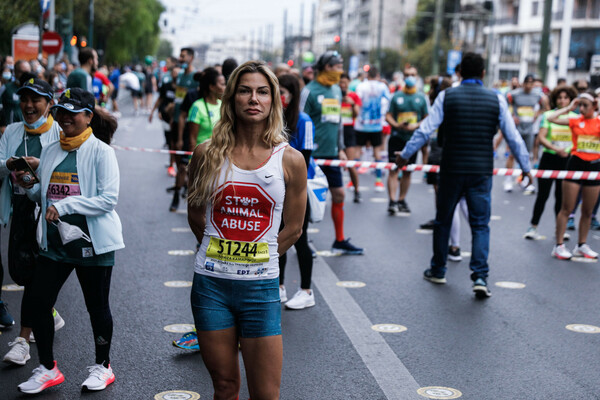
[(290, 63), (83, 42), (337, 38), (74, 41), (366, 67)]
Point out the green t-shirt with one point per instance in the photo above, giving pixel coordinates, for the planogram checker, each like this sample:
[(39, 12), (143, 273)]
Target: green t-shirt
[(81, 79), (11, 110), (558, 135), (206, 115), (411, 108), (185, 82), (324, 107), (64, 182)]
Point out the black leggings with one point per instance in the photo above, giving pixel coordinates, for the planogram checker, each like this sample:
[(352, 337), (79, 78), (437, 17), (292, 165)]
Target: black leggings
[(305, 259), (553, 162), (49, 278)]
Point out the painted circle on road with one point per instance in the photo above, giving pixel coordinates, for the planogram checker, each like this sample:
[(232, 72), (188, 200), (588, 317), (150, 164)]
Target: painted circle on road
[(582, 328), (351, 284), (13, 287), (178, 284), (495, 218), (179, 328), (465, 253), (439, 392), (584, 259), (425, 231), (389, 328), (328, 253), (378, 200), (177, 395), (181, 252), (312, 230), (510, 285), (181, 230), (181, 211)]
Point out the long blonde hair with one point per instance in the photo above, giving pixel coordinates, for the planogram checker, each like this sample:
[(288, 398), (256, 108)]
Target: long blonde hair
[(205, 169)]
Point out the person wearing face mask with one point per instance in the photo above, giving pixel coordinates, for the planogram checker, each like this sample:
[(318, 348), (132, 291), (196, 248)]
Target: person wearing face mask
[(25, 139), (408, 108), (11, 110), (321, 99), (83, 76), (80, 230)]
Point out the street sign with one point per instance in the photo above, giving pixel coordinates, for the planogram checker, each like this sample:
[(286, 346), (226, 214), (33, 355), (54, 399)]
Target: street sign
[(51, 42), (454, 58), (24, 47), (44, 4)]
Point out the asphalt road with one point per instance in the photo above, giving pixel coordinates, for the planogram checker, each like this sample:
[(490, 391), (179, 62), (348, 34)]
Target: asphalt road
[(515, 345)]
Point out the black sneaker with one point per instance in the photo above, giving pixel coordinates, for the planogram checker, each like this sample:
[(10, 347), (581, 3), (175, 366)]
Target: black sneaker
[(393, 207), (403, 207), (428, 275), (480, 289), (347, 248), (357, 197), (175, 203), (454, 255), (428, 225), (6, 319)]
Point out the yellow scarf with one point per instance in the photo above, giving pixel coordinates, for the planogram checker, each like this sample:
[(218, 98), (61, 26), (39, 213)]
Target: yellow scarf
[(411, 90), (73, 143), (329, 78), (44, 128)]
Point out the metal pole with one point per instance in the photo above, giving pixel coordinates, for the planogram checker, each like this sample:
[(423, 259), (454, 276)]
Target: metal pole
[(41, 31), (91, 27), (52, 27), (545, 45), (565, 39), (437, 27), (380, 28)]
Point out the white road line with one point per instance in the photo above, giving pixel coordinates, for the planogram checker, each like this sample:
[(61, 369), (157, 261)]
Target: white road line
[(393, 378)]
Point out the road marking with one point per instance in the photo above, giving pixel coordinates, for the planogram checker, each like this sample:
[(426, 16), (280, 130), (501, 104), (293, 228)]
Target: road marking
[(389, 328), (181, 230), (402, 214), (378, 200), (582, 328), (351, 284), (181, 252), (177, 395), (312, 230), (495, 218), (389, 372), (510, 285), (13, 287), (584, 259), (178, 284), (181, 211), (439, 392), (179, 328), (425, 231), (465, 253), (328, 253)]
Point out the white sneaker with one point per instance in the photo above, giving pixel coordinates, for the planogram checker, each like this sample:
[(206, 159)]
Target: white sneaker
[(282, 294), (529, 190), (532, 234), (41, 379), (301, 300), (508, 185), (100, 377), (566, 236), (561, 252), (584, 251), (59, 322), (19, 353)]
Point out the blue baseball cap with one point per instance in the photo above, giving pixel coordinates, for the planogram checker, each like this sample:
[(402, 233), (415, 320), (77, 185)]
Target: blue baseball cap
[(76, 100), (38, 86)]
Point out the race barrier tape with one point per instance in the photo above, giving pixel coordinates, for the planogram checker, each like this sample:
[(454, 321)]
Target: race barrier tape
[(537, 173)]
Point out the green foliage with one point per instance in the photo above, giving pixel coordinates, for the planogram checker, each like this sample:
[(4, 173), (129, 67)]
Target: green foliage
[(165, 49), (12, 14), (391, 61), (422, 56), (420, 28)]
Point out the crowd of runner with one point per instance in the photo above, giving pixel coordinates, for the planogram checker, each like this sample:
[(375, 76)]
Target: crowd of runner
[(257, 129)]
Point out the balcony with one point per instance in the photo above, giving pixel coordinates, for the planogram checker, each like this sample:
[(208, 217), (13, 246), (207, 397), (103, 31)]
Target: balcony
[(514, 20)]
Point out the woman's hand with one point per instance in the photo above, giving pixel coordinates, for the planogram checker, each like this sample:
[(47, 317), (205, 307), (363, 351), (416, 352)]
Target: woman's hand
[(52, 214), (574, 104), (33, 162), (19, 175)]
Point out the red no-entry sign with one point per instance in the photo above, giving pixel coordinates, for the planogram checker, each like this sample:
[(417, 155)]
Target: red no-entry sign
[(51, 42)]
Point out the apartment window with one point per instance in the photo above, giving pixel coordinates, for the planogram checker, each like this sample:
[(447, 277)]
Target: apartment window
[(535, 8), (510, 48)]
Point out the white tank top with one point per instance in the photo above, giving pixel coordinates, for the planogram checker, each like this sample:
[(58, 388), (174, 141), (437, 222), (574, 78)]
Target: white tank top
[(240, 238)]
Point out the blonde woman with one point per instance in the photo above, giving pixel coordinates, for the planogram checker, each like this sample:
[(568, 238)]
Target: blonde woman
[(242, 183)]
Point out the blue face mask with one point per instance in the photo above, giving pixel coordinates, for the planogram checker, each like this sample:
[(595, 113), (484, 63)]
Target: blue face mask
[(184, 66), (410, 81), (41, 121), (6, 75)]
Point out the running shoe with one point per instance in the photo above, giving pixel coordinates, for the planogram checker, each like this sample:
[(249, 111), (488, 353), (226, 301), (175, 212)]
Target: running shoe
[(529, 190), (508, 185), (6, 319), (428, 225), (532, 233), (19, 352), (566, 236), (454, 255), (560, 251), (59, 322), (403, 206), (41, 379), (175, 203), (301, 300), (481, 289), (349, 185), (357, 197), (428, 275), (189, 341), (282, 294), (344, 247), (584, 251), (393, 207), (571, 223), (171, 171), (595, 225), (100, 377), (171, 189), (379, 186)]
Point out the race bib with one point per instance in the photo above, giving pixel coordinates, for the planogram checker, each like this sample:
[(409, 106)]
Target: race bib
[(62, 185), (331, 111), (180, 93), (409, 116), (347, 118), (561, 136), (588, 144), (525, 113), (237, 258)]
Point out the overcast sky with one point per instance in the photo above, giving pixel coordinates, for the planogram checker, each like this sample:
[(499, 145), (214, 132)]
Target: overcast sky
[(200, 21)]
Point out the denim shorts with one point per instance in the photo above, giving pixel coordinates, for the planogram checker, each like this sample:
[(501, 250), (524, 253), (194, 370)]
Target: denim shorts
[(253, 307)]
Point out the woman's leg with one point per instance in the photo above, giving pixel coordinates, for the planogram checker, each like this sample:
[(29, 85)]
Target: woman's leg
[(95, 284), (219, 351), (589, 196), (570, 191), (305, 260), (263, 359)]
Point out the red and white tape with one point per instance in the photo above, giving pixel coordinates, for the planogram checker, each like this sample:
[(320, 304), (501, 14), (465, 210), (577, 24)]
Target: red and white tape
[(538, 173)]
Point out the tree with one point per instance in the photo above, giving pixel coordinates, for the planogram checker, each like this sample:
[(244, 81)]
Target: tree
[(422, 56), (14, 13), (391, 61), (165, 49)]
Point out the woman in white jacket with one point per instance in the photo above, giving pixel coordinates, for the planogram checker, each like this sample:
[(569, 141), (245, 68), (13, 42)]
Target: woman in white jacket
[(78, 191)]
